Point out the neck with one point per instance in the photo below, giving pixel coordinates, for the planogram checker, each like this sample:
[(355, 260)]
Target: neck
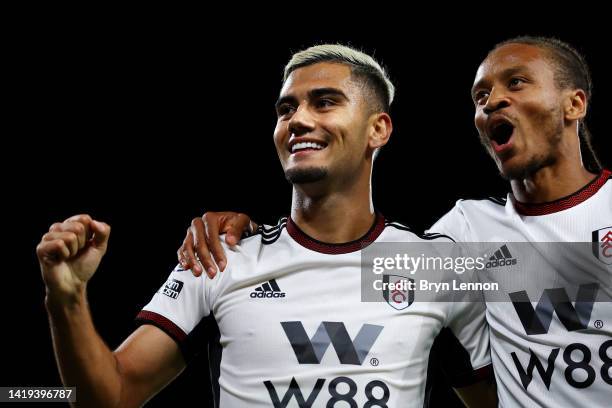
[(560, 179), (337, 216)]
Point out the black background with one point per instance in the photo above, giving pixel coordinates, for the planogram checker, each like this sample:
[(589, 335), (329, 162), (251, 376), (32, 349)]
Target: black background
[(147, 120)]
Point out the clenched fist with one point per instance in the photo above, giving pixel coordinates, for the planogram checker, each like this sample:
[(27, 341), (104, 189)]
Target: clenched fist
[(70, 253)]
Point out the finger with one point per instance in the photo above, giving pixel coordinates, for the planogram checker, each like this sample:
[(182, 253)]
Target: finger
[(70, 240), (55, 227), (82, 232), (190, 251), (52, 236), (52, 251), (82, 218), (181, 254), (236, 226), (211, 224), (187, 255), (101, 233), (201, 247)]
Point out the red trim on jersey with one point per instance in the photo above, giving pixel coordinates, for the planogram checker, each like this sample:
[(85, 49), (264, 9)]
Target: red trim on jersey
[(334, 249), (564, 203), (166, 325)]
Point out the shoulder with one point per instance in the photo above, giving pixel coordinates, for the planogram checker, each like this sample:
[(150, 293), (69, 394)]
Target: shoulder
[(480, 207), (482, 203), (397, 231), (252, 244)]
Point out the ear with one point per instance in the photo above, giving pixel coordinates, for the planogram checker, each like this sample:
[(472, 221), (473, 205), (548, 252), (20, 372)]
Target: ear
[(575, 105), (380, 130)]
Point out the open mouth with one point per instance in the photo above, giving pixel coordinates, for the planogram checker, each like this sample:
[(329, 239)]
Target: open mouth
[(500, 133), (306, 146)]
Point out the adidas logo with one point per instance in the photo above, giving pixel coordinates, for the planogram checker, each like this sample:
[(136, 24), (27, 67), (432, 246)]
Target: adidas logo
[(269, 289), (501, 257)]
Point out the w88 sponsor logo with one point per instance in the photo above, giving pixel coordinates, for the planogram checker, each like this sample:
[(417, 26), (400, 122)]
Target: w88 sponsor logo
[(310, 350), (577, 363), (336, 397), (575, 317)]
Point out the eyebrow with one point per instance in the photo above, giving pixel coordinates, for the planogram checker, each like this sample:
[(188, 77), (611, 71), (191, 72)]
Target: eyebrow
[(313, 94), (504, 74)]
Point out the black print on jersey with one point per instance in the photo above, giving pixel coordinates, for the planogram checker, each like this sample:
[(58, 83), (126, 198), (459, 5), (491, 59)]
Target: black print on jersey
[(172, 288), (268, 290), (537, 321), (501, 257), (311, 350)]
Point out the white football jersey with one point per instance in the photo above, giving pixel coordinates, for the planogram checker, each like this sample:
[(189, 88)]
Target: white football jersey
[(294, 331), (550, 347)]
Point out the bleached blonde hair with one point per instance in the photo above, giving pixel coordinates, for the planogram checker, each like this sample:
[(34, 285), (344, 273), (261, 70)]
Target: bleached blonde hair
[(363, 67)]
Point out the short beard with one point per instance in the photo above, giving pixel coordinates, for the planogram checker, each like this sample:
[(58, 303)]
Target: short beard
[(309, 175), (554, 132), (532, 167)]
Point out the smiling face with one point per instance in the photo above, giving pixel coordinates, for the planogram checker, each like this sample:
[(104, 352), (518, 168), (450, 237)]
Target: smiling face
[(519, 109), (322, 124)]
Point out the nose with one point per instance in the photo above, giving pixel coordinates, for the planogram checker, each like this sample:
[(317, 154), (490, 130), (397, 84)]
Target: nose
[(301, 122), (497, 100)]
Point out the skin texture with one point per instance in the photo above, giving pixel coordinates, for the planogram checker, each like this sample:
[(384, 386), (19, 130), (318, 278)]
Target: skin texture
[(320, 103), (516, 83), (69, 255)]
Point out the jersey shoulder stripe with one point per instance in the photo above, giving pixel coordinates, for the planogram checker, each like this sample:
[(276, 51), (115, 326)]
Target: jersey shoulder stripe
[(426, 235), (498, 200), (269, 234)]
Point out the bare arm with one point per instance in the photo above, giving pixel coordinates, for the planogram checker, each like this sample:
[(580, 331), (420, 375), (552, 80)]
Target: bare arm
[(146, 361)]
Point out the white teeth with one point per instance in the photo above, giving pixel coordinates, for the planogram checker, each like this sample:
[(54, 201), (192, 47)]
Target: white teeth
[(306, 145)]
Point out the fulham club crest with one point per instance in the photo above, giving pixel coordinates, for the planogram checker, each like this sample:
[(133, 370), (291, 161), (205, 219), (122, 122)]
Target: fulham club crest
[(401, 295), (602, 245)]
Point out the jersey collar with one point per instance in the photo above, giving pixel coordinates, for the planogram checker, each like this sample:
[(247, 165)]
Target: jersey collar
[(335, 249), (564, 203)]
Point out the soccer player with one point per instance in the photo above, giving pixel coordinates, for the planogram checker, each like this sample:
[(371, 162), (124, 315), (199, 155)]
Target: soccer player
[(531, 96), (292, 326)]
